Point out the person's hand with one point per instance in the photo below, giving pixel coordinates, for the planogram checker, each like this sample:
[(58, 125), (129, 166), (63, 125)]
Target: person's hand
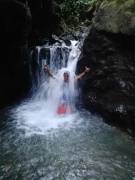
[(46, 68), (87, 69)]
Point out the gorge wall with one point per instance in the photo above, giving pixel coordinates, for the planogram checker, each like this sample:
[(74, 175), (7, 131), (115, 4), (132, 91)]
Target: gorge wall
[(23, 23), (110, 52)]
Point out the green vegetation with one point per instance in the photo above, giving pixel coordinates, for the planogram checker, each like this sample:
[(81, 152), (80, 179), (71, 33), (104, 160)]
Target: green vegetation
[(116, 16), (78, 12), (73, 12)]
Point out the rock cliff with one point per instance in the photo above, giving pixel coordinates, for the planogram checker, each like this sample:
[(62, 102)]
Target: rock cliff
[(110, 52)]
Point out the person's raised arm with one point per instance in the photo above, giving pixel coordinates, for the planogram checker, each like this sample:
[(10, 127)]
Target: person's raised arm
[(46, 69), (83, 73)]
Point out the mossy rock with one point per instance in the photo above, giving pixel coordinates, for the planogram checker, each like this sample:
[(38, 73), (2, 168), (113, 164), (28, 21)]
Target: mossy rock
[(116, 16)]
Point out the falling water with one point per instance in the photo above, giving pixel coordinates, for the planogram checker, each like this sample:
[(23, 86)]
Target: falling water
[(40, 112), (61, 59)]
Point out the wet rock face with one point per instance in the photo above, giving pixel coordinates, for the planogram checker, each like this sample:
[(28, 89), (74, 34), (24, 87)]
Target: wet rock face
[(110, 87), (45, 19), (15, 21), (110, 52), (23, 23)]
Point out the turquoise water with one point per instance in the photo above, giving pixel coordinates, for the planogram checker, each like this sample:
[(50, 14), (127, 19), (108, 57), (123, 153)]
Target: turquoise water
[(78, 147)]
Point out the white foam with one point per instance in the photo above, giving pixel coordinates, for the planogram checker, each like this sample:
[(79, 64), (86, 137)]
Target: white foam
[(36, 118), (38, 115)]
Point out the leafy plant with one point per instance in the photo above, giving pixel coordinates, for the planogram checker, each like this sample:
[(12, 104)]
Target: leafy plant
[(72, 11)]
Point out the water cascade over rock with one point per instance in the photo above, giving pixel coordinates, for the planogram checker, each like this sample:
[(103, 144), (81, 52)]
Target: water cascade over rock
[(23, 24), (47, 92)]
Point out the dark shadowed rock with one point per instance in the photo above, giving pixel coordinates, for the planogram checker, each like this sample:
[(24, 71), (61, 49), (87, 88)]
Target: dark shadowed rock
[(45, 19), (15, 19), (110, 87), (23, 23), (110, 52)]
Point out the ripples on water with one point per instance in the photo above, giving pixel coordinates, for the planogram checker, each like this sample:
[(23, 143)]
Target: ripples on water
[(77, 147)]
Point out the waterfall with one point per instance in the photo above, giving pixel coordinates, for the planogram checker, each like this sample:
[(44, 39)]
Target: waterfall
[(60, 59), (39, 113)]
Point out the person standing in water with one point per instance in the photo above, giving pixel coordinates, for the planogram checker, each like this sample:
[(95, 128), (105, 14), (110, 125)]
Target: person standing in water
[(66, 74), (65, 105)]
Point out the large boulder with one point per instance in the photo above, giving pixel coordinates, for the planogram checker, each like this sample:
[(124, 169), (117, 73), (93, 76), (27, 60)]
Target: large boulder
[(110, 52), (110, 87)]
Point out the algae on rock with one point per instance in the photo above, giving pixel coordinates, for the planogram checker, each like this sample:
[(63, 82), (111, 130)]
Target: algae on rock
[(116, 16)]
